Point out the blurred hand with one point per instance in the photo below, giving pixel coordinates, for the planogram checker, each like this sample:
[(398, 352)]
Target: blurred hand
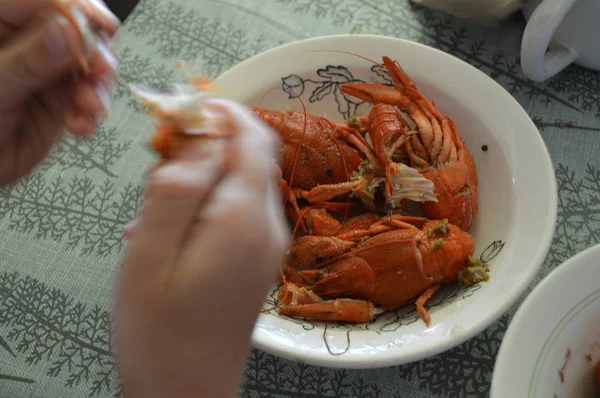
[(201, 258), (39, 94)]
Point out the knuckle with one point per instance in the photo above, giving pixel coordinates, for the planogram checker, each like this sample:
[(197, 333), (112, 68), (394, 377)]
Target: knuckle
[(249, 225), (25, 67), (157, 183), (181, 180), (165, 185)]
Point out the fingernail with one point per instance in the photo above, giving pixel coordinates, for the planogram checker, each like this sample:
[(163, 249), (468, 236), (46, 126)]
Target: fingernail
[(129, 228), (108, 13), (107, 54), (109, 82), (109, 43), (104, 96)]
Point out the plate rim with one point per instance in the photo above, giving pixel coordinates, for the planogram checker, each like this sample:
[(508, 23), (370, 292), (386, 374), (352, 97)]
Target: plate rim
[(545, 284), (370, 361)]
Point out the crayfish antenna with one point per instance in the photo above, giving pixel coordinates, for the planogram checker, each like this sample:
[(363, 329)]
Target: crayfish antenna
[(347, 53)]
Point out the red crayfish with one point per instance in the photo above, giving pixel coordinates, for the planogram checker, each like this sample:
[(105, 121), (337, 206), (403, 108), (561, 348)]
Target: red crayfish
[(350, 270), (371, 262), (322, 160), (436, 148)]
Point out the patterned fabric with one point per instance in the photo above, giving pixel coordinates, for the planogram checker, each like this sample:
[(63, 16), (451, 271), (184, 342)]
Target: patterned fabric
[(60, 238)]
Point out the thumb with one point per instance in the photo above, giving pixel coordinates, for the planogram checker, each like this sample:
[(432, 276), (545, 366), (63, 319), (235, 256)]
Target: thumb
[(38, 57)]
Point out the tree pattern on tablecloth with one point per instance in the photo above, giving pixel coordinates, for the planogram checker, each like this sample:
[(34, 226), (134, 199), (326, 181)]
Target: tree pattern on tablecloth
[(50, 326), (462, 372), (268, 376), (86, 215), (178, 32), (4, 345), (544, 125), (42, 327), (578, 221), (100, 152)]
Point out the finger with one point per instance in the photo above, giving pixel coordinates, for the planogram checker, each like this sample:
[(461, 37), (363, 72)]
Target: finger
[(254, 142), (80, 123), (14, 15), (18, 13), (102, 61), (6, 30), (100, 15), (36, 58), (11, 120), (175, 191), (276, 212), (33, 140), (130, 229), (57, 97), (92, 97)]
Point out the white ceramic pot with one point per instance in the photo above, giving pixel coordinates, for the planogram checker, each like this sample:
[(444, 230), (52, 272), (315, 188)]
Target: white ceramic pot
[(568, 29)]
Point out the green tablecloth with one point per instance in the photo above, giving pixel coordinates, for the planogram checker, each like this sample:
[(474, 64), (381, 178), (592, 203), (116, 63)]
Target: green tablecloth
[(60, 236)]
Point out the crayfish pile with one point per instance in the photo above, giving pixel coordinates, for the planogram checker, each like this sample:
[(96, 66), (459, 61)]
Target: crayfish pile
[(345, 187)]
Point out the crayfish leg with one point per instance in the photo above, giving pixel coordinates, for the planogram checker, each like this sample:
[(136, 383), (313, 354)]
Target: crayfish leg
[(327, 192), (425, 296), (321, 223), (339, 310)]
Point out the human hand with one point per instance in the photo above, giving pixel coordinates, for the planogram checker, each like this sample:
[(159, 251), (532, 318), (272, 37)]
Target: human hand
[(201, 257), (39, 93)]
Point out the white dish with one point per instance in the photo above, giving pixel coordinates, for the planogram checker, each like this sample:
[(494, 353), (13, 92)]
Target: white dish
[(514, 171), (558, 324)]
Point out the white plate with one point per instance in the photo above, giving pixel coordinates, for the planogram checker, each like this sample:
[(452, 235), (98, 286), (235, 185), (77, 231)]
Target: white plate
[(558, 323), (515, 170)]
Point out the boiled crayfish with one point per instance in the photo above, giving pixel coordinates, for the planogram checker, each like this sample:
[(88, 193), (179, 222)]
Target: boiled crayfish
[(350, 270), (322, 160), (434, 147), (372, 263)]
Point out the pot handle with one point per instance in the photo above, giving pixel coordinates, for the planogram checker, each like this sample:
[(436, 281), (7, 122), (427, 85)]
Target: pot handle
[(536, 64)]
